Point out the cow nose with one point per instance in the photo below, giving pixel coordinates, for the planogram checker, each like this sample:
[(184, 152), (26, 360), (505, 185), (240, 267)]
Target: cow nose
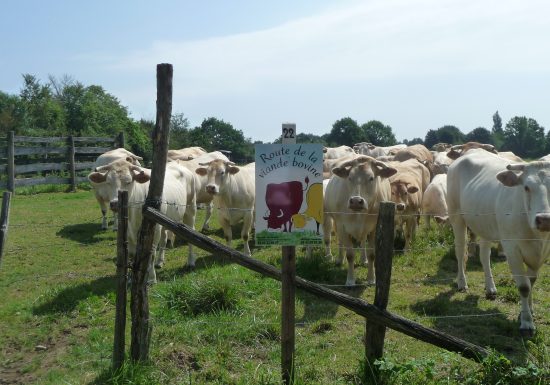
[(356, 203), (400, 206), (114, 205), (211, 189), (542, 221)]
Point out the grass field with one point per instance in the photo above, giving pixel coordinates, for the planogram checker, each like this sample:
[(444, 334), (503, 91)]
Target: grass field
[(220, 324)]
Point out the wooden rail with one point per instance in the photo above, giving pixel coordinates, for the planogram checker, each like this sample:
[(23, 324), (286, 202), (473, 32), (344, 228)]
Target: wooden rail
[(359, 306), (72, 149)]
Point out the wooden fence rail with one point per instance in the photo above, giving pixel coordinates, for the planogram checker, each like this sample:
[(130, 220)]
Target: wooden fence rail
[(70, 149), (359, 306)]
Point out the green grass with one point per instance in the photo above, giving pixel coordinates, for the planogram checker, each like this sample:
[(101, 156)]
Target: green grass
[(220, 323)]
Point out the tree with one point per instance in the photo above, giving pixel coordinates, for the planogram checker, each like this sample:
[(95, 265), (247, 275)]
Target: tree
[(525, 137), (378, 133), (497, 124), (345, 131), (305, 138), (43, 114), (179, 131), (12, 114), (413, 141), (481, 135), (214, 134), (446, 134)]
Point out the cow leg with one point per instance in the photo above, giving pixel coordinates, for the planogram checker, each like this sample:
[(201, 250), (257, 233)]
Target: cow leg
[(245, 233), (350, 256), (104, 208), (523, 283), (485, 258), (459, 230), (226, 227), (532, 277), (371, 276), (208, 214), (327, 230), (472, 244), (363, 246), (159, 261), (115, 221)]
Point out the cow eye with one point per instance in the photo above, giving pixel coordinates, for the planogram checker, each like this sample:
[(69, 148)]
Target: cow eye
[(527, 189), (371, 178)]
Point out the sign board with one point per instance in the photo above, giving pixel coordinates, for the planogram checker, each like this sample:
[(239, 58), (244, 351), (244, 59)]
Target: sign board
[(289, 194)]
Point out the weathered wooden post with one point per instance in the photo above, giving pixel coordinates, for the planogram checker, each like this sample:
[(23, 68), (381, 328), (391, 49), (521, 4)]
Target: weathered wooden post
[(72, 167), (122, 278), (11, 161), (139, 304), (120, 141), (288, 290), (4, 219), (376, 332)]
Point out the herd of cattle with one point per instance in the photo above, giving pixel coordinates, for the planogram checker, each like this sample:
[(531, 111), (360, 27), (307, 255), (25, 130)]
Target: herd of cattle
[(490, 196)]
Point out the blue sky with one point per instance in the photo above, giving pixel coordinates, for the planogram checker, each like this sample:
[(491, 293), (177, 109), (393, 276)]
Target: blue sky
[(412, 64)]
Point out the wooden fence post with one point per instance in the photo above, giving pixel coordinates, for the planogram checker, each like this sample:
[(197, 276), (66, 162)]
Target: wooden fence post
[(139, 303), (4, 219), (288, 294), (121, 142), (72, 166), (11, 161), (375, 332), (122, 278)]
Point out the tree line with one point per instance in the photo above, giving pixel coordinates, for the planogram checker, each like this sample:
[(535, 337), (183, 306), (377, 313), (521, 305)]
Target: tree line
[(64, 106)]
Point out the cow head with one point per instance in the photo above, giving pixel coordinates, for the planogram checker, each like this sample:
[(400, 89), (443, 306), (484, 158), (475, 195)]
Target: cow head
[(119, 175), (456, 151), (400, 191), (217, 173), (362, 175), (534, 181)]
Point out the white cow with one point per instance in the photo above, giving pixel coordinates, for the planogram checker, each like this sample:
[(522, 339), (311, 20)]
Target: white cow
[(185, 153), (122, 175), (365, 148), (351, 200), (201, 180), (502, 202), (336, 152), (407, 189), (434, 201), (234, 192), (101, 193)]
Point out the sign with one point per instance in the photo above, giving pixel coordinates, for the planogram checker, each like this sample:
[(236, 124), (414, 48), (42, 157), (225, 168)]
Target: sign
[(289, 194)]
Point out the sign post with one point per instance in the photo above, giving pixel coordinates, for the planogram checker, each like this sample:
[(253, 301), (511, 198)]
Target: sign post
[(290, 178)]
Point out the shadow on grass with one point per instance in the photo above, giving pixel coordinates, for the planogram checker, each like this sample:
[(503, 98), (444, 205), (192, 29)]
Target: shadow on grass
[(86, 233), (67, 299), (318, 269), (464, 319)]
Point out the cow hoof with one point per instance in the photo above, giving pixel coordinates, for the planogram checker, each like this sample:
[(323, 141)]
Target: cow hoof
[(159, 265), (491, 295), (526, 333)]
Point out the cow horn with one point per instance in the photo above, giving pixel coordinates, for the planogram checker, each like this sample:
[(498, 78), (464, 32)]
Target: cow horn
[(104, 168), (457, 147), (229, 163), (206, 163), (516, 167), (280, 216), (135, 168), (380, 164)]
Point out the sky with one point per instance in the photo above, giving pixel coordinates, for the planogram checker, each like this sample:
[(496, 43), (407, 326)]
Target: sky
[(414, 65)]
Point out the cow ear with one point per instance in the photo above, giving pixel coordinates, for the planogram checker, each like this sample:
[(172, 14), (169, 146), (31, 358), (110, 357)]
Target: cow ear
[(202, 171), (97, 177), (453, 154), (141, 177), (509, 178), (412, 189), (233, 169), (386, 172), (342, 172)]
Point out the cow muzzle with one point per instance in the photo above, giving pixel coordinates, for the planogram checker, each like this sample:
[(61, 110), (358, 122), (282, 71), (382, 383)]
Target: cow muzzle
[(113, 205), (357, 204), (542, 222), (211, 189), (400, 206)]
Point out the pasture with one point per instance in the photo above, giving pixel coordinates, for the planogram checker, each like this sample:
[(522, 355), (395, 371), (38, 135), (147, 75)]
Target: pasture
[(220, 324)]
